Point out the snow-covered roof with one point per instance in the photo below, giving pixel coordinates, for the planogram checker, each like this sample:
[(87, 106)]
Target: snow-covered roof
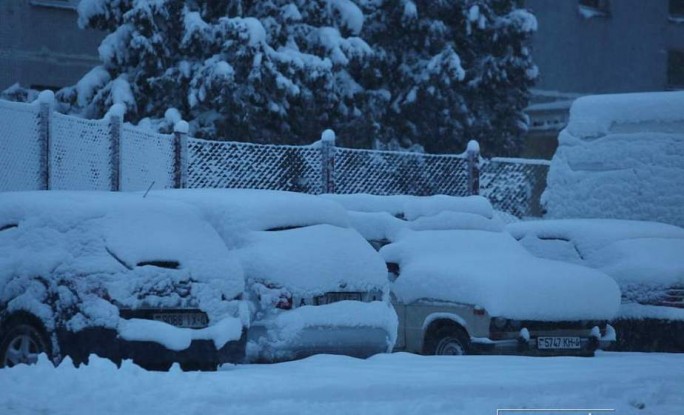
[(492, 270), (629, 251)]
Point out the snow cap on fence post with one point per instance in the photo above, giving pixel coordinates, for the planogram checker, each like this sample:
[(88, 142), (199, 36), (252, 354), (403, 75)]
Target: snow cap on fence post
[(328, 161), (45, 101), (180, 132), (473, 154), (115, 116)]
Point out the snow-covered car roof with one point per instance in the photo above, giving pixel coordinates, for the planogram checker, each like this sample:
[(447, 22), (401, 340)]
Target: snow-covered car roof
[(48, 233), (629, 251), (492, 270), (384, 217), (293, 240), (244, 210), (597, 115)]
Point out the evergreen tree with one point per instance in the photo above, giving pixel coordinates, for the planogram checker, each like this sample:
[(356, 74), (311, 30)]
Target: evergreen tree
[(448, 71), (271, 71), (389, 73)]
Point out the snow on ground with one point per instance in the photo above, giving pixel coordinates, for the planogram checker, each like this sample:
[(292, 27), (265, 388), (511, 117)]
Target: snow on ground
[(385, 384)]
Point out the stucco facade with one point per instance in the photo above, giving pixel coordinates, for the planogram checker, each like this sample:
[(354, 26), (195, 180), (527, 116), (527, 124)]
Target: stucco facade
[(41, 44), (622, 48)]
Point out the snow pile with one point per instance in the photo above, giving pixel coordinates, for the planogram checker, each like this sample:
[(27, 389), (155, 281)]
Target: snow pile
[(643, 257), (491, 270), (621, 156), (138, 252)]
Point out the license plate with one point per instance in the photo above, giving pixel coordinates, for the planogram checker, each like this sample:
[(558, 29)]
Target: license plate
[(185, 320), (559, 343), (330, 298)]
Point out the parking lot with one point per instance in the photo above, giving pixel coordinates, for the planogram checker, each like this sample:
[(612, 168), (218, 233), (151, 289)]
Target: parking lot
[(629, 383)]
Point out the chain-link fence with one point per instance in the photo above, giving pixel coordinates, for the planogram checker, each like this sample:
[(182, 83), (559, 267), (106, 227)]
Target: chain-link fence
[(42, 149), (21, 147)]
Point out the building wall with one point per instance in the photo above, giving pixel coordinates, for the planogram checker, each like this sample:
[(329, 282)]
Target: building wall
[(41, 45), (625, 51)]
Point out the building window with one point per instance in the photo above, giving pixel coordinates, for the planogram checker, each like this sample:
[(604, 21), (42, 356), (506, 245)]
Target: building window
[(594, 8), (676, 8), (60, 4), (675, 69)]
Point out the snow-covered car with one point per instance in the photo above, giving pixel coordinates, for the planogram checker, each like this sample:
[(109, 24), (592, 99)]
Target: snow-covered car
[(117, 275), (315, 284), (644, 258), (463, 285)]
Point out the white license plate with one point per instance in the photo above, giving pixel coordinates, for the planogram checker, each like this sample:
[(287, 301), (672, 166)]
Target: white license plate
[(185, 320), (330, 298), (559, 343)]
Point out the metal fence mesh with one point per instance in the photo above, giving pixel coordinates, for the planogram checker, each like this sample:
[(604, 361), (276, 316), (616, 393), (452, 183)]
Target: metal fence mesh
[(514, 185), (148, 157), (20, 147), (80, 154), (224, 164), (82, 157), (390, 173)]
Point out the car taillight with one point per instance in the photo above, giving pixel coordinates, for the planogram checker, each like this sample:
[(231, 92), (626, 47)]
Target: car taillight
[(284, 302)]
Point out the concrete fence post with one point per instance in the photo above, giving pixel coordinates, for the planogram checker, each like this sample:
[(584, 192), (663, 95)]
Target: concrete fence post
[(180, 149), (473, 153), (45, 101), (328, 161), (115, 115)]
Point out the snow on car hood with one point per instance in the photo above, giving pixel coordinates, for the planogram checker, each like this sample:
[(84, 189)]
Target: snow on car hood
[(313, 260), (140, 251), (628, 251), (493, 271)]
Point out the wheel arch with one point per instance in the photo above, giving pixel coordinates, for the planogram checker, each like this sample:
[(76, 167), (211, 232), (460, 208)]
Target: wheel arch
[(437, 321), (23, 316)]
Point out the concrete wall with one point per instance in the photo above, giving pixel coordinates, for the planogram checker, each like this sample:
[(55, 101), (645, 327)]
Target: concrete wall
[(625, 51), (42, 45)]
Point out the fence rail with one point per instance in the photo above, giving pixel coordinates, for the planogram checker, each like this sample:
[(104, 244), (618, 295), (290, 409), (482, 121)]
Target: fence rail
[(42, 149)]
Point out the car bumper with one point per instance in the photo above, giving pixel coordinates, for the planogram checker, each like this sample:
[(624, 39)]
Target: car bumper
[(106, 343), (359, 342), (525, 345)]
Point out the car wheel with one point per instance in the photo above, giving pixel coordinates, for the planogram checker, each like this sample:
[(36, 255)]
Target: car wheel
[(21, 344), (449, 342)]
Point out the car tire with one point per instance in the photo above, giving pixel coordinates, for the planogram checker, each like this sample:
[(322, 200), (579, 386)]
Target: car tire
[(21, 343), (448, 341)]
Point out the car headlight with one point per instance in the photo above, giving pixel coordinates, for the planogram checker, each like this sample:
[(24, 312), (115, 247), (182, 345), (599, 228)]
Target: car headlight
[(500, 322)]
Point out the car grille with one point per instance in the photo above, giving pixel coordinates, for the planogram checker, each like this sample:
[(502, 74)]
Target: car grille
[(673, 297)]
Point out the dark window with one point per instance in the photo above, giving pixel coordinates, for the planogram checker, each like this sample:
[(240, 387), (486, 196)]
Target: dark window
[(677, 8), (675, 68), (602, 6)]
